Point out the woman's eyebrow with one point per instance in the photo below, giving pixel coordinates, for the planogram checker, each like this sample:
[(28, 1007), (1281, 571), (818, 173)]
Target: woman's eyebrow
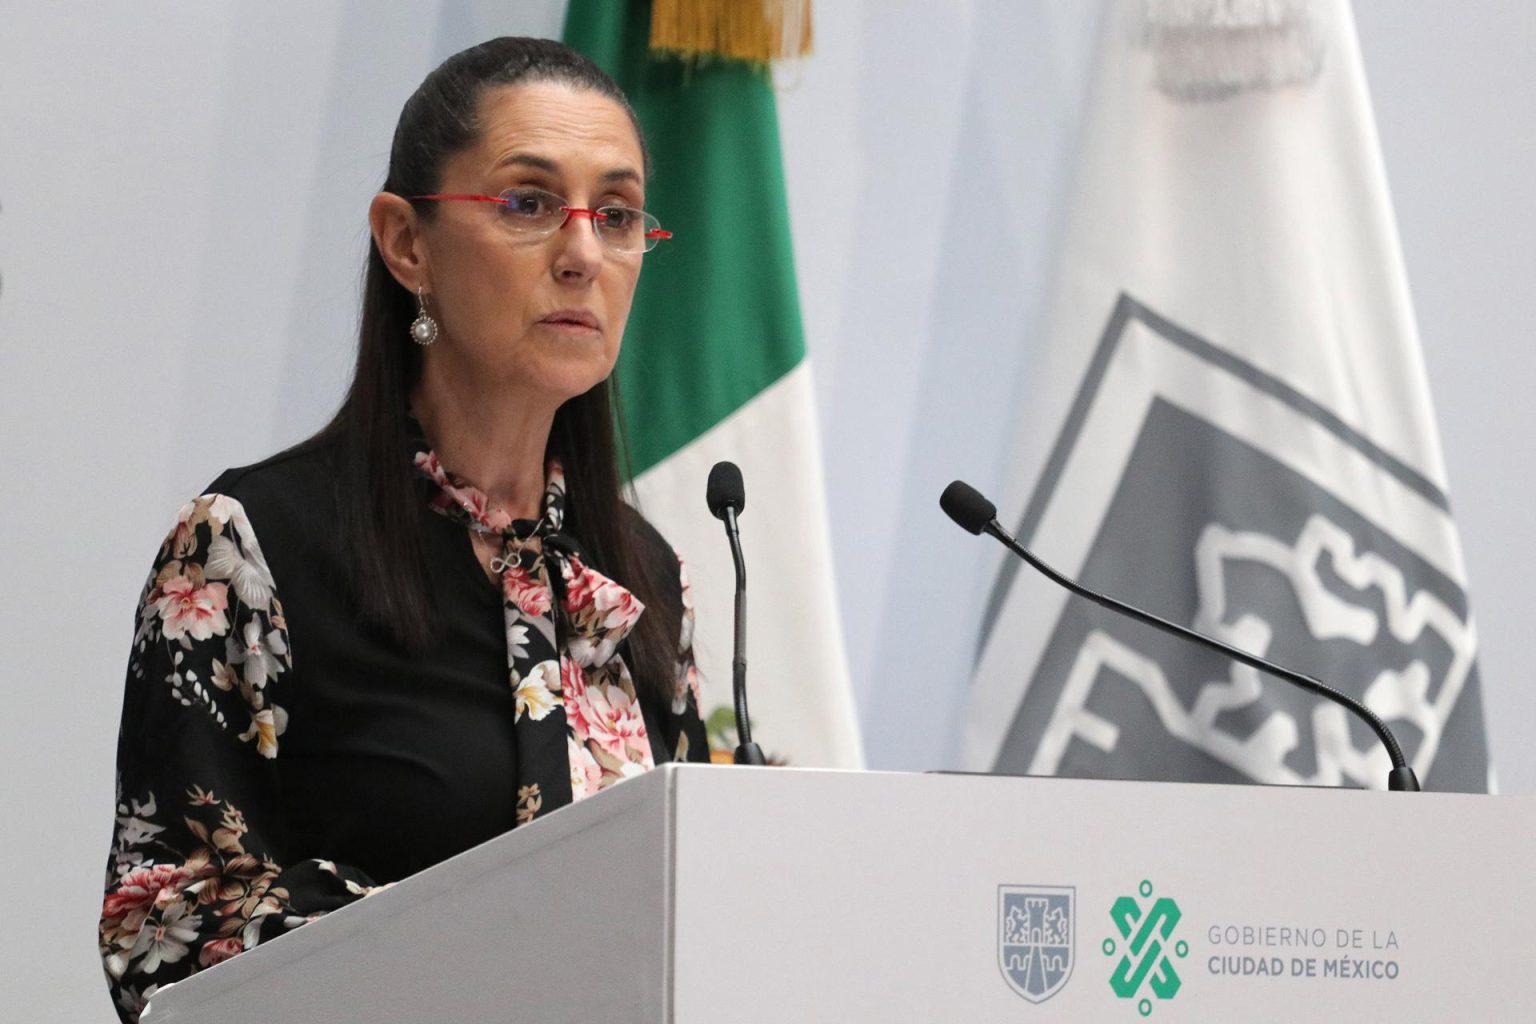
[(621, 174), (544, 163), (528, 160)]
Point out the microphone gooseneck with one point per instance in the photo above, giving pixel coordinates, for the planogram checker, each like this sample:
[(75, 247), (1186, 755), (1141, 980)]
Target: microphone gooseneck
[(726, 496), (975, 514)]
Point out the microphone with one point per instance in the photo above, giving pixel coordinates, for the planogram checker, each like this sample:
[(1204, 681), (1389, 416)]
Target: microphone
[(975, 514), (727, 497)]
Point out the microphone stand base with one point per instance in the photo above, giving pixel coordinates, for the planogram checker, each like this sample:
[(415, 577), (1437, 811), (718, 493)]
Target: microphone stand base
[(1400, 780), (750, 753)]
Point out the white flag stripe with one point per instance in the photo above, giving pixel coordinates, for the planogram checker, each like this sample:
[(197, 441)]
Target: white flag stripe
[(801, 698), (1063, 535)]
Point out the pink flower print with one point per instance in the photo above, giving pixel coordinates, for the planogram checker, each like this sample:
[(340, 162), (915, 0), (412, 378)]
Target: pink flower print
[(586, 774), (190, 611), (579, 584), (601, 611), (498, 519), (126, 906), (529, 595), (219, 950), (465, 495), (615, 724), (573, 684), (430, 468), (471, 501), (620, 609), (589, 590)]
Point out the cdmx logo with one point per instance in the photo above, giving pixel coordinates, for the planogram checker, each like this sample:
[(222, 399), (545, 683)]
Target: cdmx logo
[(1143, 948), (1034, 938)]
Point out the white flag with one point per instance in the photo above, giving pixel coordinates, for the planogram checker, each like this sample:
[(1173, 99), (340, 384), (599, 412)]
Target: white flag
[(1230, 426)]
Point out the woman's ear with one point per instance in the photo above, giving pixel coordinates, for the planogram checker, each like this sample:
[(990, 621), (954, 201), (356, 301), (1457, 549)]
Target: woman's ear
[(396, 232)]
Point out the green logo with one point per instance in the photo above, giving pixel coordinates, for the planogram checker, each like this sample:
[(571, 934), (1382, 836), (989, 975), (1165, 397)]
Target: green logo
[(1144, 959)]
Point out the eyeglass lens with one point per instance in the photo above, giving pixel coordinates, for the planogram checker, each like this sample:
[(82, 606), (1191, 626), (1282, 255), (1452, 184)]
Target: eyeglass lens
[(533, 211)]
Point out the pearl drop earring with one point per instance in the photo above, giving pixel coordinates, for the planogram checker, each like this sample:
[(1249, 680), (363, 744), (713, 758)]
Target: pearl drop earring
[(423, 328)]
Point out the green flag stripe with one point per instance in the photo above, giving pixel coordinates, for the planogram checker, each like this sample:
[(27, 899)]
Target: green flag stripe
[(716, 317)]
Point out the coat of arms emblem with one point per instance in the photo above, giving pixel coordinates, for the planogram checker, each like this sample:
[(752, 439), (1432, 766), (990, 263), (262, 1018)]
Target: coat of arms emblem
[(1035, 938)]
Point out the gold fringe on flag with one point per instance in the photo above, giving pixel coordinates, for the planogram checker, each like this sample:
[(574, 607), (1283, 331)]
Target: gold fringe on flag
[(758, 31)]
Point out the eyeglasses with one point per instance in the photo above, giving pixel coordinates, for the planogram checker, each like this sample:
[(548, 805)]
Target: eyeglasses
[(535, 214)]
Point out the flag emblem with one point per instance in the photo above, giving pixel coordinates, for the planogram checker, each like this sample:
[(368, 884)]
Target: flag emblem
[(1034, 938), (1234, 504)]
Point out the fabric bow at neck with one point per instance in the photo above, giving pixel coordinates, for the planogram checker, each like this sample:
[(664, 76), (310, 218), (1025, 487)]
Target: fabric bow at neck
[(578, 721), (596, 612)]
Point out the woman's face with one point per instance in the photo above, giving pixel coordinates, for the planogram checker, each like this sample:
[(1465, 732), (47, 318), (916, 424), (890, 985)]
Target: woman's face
[(547, 314)]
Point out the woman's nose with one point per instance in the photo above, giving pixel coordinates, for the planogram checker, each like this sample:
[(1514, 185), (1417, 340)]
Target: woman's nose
[(581, 251)]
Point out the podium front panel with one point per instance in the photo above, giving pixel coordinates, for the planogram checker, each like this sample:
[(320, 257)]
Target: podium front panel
[(832, 896), (699, 894)]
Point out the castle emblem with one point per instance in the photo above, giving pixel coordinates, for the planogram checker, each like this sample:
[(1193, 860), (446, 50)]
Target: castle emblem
[(1034, 938)]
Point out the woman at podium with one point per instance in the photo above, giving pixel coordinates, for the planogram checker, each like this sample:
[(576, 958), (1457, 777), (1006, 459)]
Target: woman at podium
[(437, 619)]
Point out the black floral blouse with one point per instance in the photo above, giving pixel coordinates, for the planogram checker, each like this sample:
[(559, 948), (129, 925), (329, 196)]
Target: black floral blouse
[(279, 758)]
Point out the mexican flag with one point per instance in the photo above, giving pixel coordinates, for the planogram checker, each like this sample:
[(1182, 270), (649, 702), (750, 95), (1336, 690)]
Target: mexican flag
[(714, 367)]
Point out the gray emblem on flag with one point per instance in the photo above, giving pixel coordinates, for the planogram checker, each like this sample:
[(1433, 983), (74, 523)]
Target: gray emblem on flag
[(1190, 482), (1034, 938)]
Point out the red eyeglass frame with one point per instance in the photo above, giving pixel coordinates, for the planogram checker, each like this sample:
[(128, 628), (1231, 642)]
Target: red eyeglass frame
[(569, 211)]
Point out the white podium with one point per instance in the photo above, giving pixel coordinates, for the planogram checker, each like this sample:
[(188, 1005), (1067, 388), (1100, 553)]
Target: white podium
[(699, 895)]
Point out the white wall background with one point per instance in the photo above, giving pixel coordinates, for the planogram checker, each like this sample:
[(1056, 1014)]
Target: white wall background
[(182, 190)]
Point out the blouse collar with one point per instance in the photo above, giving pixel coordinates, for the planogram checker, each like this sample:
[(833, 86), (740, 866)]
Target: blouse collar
[(462, 501), (595, 612)]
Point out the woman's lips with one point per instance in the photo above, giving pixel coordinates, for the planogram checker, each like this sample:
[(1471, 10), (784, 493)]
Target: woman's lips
[(574, 321)]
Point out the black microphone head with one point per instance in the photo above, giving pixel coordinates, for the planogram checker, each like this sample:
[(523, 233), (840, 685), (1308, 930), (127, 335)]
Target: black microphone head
[(725, 490), (965, 505)]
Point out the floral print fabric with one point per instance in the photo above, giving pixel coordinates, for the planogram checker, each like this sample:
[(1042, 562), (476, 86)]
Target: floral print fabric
[(190, 881), (197, 871), (579, 725)]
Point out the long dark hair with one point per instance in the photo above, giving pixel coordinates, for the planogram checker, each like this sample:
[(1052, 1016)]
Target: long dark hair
[(381, 502)]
